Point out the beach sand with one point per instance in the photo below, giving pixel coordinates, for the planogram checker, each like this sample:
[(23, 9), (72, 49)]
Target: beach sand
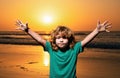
[(93, 64), (18, 61)]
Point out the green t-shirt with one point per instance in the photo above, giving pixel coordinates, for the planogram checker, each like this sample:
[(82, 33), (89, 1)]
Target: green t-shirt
[(63, 64)]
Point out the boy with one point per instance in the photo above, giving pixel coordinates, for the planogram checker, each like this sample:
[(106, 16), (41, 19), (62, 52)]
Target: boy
[(62, 48)]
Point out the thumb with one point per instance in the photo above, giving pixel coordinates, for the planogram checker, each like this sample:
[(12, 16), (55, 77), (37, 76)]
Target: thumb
[(107, 30), (27, 25), (98, 22), (18, 28)]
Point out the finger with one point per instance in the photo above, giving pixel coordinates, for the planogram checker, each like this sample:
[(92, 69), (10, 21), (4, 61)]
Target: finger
[(107, 30), (20, 22), (17, 23), (104, 23), (108, 26), (18, 28), (98, 22), (27, 24)]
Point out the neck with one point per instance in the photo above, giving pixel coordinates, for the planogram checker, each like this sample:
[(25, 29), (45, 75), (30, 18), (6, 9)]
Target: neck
[(64, 49)]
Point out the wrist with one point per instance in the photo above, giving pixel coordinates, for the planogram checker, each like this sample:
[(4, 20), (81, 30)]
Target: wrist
[(96, 30), (27, 29)]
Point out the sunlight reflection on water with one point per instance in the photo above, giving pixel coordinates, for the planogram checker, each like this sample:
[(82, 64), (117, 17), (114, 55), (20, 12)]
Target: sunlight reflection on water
[(46, 59)]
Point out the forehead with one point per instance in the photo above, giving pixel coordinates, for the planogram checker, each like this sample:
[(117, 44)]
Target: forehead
[(61, 33)]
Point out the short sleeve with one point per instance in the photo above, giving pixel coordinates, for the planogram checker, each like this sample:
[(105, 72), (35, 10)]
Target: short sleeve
[(78, 47), (47, 46)]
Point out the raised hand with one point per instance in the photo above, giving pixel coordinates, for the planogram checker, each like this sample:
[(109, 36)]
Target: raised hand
[(22, 26), (103, 26)]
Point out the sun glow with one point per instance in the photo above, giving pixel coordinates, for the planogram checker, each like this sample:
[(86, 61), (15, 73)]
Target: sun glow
[(47, 19)]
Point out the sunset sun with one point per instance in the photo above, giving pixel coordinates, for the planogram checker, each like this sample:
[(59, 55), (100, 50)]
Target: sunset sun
[(47, 19)]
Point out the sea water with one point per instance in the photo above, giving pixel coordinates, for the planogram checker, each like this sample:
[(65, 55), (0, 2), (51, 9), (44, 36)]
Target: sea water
[(21, 56)]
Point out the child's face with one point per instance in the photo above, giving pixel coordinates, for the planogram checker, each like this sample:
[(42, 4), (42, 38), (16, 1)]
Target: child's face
[(61, 41)]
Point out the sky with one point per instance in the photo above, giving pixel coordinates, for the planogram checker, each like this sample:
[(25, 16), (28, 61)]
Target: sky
[(45, 15)]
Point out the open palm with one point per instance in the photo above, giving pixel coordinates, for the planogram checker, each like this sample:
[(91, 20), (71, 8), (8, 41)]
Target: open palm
[(103, 26), (21, 26)]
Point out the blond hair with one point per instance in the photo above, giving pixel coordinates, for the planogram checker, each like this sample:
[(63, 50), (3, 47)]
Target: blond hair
[(66, 32)]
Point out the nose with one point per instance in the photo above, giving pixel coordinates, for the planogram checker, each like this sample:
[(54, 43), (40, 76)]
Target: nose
[(61, 39)]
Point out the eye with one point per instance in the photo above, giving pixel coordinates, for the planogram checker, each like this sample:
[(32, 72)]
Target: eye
[(64, 37), (58, 37)]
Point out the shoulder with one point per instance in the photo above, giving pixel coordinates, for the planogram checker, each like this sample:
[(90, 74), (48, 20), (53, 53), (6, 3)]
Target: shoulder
[(77, 44), (48, 46), (78, 47)]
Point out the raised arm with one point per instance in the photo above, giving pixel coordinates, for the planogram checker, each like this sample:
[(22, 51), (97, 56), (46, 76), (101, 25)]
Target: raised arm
[(100, 28), (34, 35)]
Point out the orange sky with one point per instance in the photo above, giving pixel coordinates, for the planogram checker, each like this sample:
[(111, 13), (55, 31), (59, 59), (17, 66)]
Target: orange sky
[(79, 15)]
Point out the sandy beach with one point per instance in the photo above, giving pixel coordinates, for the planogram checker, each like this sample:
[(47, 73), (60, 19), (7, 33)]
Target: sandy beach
[(93, 64), (20, 61)]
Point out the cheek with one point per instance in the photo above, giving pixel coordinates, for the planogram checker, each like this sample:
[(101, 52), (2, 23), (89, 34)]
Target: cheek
[(56, 41), (66, 41)]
